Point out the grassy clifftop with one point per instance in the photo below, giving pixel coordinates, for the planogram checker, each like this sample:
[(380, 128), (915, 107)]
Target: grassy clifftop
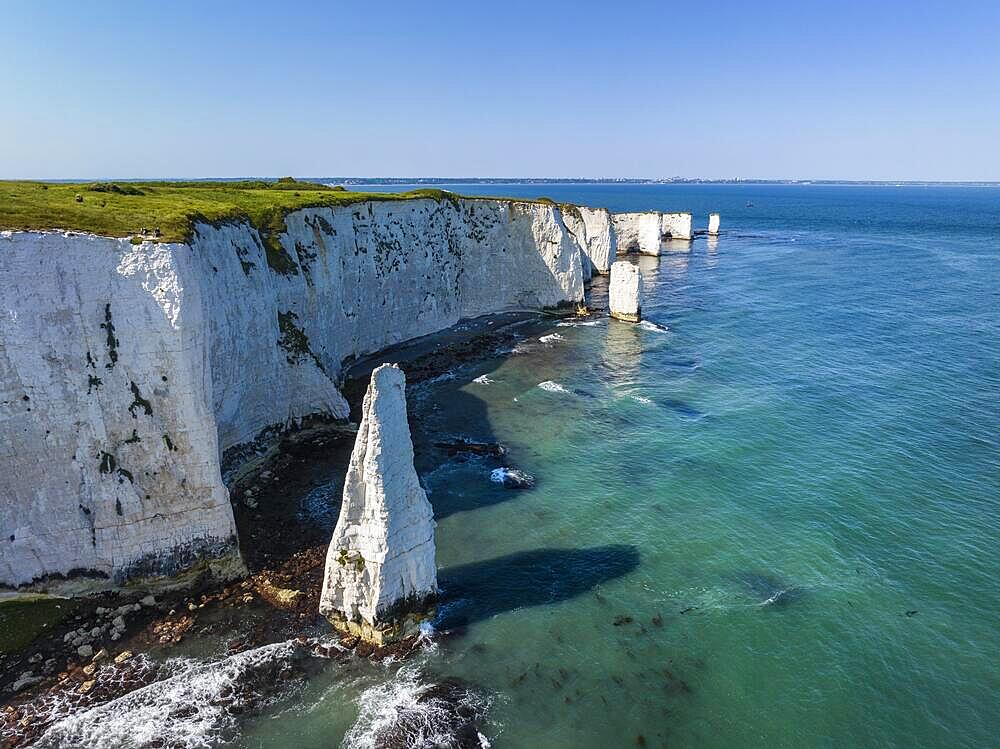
[(123, 209)]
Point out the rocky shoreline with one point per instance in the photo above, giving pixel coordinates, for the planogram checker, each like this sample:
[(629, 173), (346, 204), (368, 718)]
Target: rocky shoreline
[(111, 643)]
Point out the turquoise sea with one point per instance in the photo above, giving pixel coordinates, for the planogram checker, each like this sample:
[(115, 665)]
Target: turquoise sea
[(769, 519), (789, 500)]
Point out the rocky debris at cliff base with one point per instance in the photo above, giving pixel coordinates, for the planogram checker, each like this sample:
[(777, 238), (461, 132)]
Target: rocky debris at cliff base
[(93, 623), (138, 702)]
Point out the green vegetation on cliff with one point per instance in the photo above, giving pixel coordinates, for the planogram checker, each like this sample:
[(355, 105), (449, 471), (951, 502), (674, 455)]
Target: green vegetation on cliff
[(168, 211), (123, 209)]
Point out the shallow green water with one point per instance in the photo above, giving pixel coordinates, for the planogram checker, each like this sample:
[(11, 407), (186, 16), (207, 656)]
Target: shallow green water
[(788, 500)]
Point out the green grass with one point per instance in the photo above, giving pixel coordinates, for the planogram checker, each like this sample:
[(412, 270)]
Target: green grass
[(25, 618), (122, 209)]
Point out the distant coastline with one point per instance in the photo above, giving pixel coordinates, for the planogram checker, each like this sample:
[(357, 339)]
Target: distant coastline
[(623, 181), (547, 181)]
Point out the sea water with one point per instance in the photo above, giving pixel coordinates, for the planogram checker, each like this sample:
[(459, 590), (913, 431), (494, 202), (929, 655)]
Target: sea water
[(770, 516)]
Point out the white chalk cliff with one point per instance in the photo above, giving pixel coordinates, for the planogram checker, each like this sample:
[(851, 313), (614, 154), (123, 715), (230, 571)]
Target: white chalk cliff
[(381, 577), (592, 229), (128, 372), (645, 231), (638, 232), (132, 375)]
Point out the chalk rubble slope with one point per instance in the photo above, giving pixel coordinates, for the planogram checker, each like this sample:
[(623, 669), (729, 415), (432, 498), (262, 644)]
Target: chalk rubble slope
[(381, 579)]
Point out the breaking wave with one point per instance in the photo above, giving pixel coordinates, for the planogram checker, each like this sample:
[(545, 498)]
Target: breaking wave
[(411, 712), (484, 380), (512, 477), (553, 387), (551, 338), (194, 707), (655, 327), (574, 324), (521, 348)]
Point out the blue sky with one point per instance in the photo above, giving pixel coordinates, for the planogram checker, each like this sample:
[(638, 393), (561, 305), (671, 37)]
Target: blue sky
[(845, 90)]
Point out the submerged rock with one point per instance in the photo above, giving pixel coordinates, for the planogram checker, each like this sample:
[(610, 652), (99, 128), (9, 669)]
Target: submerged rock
[(463, 445), (381, 579), (411, 712), (512, 478), (624, 292)]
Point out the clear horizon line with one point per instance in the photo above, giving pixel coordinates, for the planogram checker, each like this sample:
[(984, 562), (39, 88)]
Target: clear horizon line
[(377, 179)]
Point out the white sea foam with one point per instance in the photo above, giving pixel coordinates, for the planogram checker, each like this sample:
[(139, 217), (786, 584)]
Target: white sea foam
[(641, 399), (512, 477), (575, 324), (189, 709), (406, 712), (551, 338), (553, 387), (655, 327), (484, 380)]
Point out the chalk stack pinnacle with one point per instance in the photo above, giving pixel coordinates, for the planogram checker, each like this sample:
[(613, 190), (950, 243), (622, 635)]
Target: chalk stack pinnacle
[(713, 224), (381, 578), (624, 292)]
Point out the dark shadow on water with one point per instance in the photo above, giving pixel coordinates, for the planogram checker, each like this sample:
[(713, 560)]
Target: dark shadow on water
[(458, 415), (471, 488), (682, 409), (480, 590)]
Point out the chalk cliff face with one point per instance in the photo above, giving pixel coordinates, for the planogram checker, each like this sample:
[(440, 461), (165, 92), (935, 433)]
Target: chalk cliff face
[(592, 229), (638, 232), (128, 371), (107, 435), (380, 576)]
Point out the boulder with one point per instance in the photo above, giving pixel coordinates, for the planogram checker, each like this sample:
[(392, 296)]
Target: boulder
[(380, 580), (512, 478)]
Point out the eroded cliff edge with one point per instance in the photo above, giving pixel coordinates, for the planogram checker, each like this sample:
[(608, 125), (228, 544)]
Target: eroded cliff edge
[(127, 371)]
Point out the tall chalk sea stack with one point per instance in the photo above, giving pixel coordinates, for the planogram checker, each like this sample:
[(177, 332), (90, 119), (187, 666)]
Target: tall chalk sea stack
[(381, 578), (624, 292), (713, 224)]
